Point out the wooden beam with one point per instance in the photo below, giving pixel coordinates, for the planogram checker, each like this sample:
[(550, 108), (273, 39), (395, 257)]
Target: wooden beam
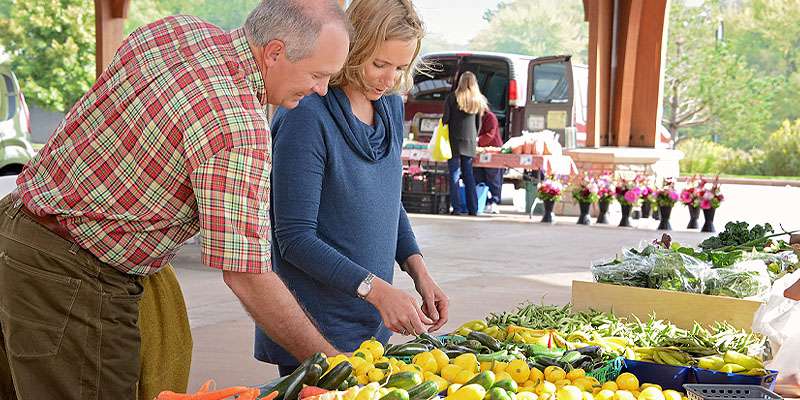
[(628, 33), (599, 13), (648, 88), (109, 28)]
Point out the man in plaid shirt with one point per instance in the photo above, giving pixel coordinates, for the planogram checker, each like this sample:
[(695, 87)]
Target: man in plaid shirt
[(170, 141)]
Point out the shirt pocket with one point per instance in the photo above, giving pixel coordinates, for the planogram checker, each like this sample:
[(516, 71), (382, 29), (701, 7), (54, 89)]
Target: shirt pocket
[(35, 307)]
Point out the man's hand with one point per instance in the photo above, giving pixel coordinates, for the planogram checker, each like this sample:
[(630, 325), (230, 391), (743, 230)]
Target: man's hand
[(398, 309), (273, 307), (434, 302)]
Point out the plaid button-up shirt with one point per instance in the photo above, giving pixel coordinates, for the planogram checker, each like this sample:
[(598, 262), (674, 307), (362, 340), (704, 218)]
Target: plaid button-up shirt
[(171, 140)]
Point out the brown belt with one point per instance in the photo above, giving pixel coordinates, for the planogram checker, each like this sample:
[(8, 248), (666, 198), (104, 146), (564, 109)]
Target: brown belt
[(50, 222)]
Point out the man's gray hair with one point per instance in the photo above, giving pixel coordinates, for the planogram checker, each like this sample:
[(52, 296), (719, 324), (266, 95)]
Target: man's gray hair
[(294, 23)]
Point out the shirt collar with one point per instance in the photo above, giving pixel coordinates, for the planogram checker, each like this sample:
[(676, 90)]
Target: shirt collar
[(248, 63)]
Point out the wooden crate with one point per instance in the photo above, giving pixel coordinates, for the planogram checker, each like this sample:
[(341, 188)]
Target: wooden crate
[(682, 309)]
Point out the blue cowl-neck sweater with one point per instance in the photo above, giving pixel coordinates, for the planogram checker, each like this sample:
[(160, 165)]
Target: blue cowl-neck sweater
[(336, 214)]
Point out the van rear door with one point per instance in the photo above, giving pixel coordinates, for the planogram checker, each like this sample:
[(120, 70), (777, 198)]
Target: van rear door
[(425, 102), (550, 95)]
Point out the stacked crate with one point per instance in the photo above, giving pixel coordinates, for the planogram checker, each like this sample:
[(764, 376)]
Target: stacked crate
[(426, 188)]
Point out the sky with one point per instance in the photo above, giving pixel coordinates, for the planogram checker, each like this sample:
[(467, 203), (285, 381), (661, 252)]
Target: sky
[(457, 21)]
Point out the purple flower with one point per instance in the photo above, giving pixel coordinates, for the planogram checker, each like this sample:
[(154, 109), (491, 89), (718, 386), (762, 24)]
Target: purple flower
[(673, 195)]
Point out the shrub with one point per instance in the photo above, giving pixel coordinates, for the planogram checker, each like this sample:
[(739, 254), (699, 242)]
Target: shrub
[(780, 156), (706, 157)]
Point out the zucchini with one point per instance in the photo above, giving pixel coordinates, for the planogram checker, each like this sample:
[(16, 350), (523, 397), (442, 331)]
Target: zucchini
[(485, 340), (335, 376), (408, 350), (294, 385), (313, 373), (423, 391), (485, 379), (508, 384), (396, 394), (570, 357), (497, 394), (404, 380), (472, 344)]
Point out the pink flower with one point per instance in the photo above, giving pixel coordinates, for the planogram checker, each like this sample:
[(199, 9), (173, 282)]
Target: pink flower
[(708, 195), (631, 196), (705, 204), (673, 195), (686, 197)]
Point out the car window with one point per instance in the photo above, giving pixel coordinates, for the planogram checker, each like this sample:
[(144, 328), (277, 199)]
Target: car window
[(550, 83), (8, 104), (435, 81)]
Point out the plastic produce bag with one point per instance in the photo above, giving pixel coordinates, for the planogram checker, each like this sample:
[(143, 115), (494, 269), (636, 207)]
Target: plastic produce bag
[(779, 320), (745, 279), (440, 143)]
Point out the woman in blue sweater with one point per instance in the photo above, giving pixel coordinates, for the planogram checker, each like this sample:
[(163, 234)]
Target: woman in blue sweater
[(338, 223)]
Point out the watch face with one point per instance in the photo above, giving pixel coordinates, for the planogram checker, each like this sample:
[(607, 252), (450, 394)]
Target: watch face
[(363, 289)]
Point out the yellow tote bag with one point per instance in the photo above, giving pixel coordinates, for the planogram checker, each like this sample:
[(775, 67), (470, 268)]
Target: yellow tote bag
[(440, 143)]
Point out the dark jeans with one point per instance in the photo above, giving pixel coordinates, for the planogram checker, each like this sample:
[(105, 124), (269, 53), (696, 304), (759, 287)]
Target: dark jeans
[(69, 321), (461, 167), (285, 370), (492, 177)]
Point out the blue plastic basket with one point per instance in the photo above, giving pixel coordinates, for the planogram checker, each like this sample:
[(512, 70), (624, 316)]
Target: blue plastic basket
[(667, 376), (706, 376)]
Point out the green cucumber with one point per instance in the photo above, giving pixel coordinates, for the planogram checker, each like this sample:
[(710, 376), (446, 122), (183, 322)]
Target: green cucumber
[(396, 394), (428, 338), (497, 394), (485, 379), (404, 380), (313, 373), (485, 340), (472, 344), (570, 357), (423, 391), (335, 376)]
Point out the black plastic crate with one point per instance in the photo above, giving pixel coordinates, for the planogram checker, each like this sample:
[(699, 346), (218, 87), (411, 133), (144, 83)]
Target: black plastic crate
[(426, 182), (426, 203)]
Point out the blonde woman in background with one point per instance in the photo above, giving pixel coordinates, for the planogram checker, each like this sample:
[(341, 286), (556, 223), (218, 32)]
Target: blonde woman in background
[(338, 222), (463, 110)]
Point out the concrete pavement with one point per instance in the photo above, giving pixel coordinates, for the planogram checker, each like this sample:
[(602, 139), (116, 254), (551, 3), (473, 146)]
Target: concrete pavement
[(483, 264)]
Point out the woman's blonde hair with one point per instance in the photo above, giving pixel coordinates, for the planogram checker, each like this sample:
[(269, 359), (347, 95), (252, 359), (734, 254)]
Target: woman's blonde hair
[(375, 21), (468, 94)]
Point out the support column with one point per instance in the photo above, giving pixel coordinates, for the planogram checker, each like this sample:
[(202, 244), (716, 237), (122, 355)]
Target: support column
[(110, 18), (600, 15)]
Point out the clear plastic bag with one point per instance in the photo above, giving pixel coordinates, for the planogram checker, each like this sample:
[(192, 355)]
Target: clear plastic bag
[(744, 280)]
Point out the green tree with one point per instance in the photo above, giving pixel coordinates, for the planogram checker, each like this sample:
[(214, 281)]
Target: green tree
[(51, 44), (536, 27), (709, 90), (228, 14)]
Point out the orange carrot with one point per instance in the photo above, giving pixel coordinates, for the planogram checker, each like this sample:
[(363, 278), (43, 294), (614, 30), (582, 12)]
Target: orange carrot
[(270, 396)]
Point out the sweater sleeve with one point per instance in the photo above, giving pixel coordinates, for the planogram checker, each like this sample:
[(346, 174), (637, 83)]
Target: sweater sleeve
[(446, 113), (299, 157), (406, 241)]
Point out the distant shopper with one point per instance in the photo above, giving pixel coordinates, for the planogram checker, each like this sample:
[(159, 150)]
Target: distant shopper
[(463, 110), (489, 136)]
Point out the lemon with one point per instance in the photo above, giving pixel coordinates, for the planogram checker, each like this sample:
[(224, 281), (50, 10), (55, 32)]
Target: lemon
[(575, 374), (554, 374), (563, 382), (545, 388), (672, 395), (628, 381), (453, 388), (569, 392), (587, 396), (374, 347), (651, 393), (469, 392), (583, 383), (623, 395), (610, 385), (441, 358), (604, 394), (467, 361), (527, 396), (464, 376), (499, 366), (519, 370), (647, 385), (450, 371), (376, 375), (536, 376)]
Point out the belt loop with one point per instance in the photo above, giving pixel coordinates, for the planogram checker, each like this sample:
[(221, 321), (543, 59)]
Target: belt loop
[(16, 205), (74, 248)]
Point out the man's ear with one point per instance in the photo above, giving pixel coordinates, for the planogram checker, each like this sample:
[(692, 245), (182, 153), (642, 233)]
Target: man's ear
[(273, 51)]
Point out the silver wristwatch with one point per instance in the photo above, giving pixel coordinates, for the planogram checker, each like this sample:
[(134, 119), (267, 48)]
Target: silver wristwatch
[(365, 286)]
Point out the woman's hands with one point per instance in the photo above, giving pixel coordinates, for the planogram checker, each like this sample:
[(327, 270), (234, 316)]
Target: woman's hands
[(398, 309), (434, 302)]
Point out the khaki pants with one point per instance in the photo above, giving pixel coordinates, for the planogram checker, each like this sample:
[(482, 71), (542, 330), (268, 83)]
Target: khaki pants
[(166, 339), (69, 322)]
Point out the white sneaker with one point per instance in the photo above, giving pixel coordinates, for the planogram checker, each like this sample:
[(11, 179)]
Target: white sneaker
[(495, 208), (487, 209)]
